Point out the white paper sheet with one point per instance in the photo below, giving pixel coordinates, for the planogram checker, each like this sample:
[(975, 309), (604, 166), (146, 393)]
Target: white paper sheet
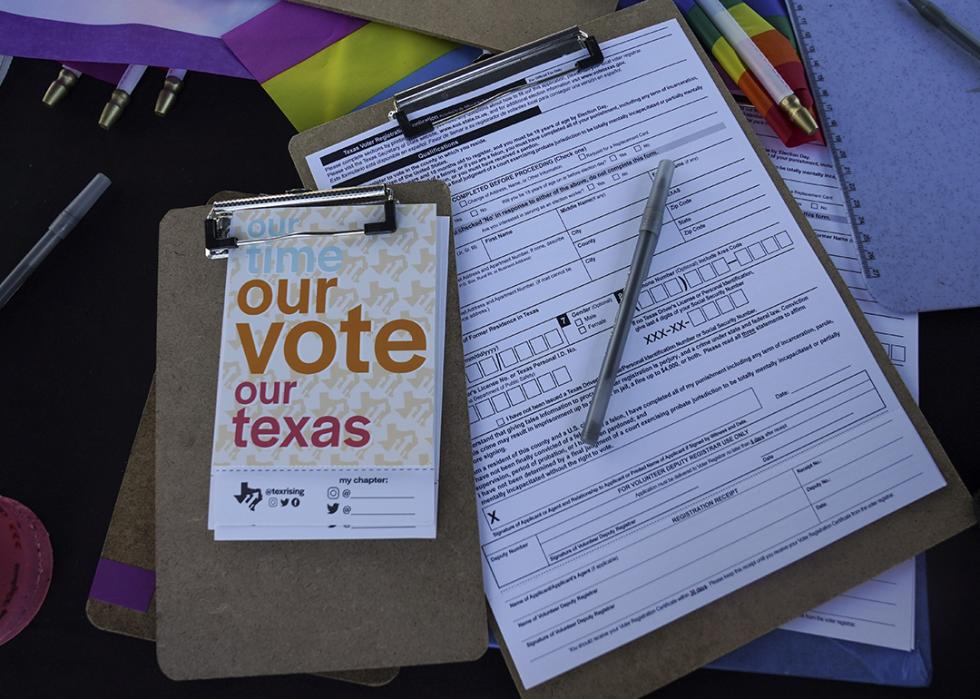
[(305, 533), (384, 487), (882, 611), (750, 425)]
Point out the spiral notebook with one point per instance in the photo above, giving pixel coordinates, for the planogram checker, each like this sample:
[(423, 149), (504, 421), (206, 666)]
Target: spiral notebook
[(900, 101)]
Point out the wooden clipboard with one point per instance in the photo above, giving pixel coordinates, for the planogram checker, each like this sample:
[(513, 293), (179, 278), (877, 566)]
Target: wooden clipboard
[(130, 541), (497, 26), (712, 631), (229, 609)]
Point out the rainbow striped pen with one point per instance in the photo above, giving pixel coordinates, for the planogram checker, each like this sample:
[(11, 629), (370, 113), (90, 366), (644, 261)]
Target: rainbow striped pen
[(760, 66)]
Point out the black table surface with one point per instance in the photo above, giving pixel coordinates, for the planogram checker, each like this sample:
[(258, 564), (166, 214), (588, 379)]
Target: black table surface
[(77, 356)]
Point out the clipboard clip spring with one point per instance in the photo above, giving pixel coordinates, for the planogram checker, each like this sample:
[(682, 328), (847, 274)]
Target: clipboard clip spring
[(218, 241), (489, 71)]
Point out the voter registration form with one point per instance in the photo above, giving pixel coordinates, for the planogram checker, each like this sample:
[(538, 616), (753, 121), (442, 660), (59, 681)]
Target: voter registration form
[(750, 425), (881, 611)]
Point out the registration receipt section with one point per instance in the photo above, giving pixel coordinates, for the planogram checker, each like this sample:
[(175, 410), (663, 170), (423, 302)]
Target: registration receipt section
[(750, 425)]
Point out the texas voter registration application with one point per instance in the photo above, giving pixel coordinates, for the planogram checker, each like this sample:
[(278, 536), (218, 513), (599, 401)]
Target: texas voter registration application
[(750, 426)]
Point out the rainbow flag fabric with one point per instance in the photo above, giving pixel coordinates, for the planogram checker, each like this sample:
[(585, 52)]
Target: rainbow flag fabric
[(767, 23), (318, 65)]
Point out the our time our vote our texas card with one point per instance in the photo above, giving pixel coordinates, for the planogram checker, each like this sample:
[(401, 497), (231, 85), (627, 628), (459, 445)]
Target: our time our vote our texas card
[(330, 378)]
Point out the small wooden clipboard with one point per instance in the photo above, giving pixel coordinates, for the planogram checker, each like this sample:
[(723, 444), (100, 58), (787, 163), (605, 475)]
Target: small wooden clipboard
[(227, 609)]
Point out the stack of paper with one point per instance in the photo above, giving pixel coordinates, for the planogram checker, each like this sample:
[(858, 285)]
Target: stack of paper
[(330, 380), (752, 424)]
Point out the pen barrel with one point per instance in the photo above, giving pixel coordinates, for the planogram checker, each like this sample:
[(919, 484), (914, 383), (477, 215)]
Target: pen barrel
[(24, 268), (747, 50), (958, 33), (944, 23), (646, 244), (84, 200), (930, 12), (59, 228)]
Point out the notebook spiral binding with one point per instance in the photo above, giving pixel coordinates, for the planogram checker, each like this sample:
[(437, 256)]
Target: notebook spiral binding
[(822, 98)]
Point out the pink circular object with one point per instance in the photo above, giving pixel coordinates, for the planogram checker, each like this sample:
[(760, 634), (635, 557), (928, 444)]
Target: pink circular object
[(25, 567)]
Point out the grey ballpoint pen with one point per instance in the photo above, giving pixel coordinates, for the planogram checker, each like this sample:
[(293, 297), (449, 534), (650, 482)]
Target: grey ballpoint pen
[(946, 25), (646, 244), (58, 229)]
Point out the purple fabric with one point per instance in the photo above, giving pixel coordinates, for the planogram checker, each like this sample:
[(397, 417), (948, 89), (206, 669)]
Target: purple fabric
[(118, 43), (285, 35), (109, 72), (123, 585)]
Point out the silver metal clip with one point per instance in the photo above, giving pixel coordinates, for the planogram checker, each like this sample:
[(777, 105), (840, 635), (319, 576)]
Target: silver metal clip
[(217, 225), (489, 71)]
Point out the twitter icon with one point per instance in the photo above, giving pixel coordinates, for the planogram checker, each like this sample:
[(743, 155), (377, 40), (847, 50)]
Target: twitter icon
[(332, 508)]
